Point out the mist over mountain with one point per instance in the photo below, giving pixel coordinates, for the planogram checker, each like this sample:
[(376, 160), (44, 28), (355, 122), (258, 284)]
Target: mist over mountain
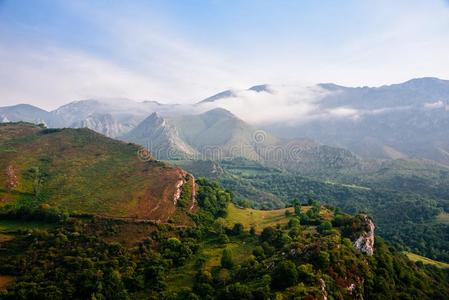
[(406, 120)]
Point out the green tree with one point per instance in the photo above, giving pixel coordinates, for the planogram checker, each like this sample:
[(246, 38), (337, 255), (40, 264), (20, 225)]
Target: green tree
[(226, 259), (284, 275), (237, 229)]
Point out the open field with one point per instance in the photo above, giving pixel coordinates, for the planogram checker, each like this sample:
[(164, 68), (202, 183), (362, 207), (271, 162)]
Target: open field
[(443, 218), (260, 219), (415, 257)]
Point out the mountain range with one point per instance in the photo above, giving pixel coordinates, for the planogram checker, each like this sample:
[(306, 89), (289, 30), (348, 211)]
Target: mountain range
[(407, 120)]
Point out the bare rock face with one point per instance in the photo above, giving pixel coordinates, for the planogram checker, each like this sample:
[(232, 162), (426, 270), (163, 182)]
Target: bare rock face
[(323, 289), (364, 241)]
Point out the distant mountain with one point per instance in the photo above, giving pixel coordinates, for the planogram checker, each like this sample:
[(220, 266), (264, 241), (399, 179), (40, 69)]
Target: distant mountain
[(218, 134), (161, 137), (123, 114), (408, 120), (111, 117), (213, 133), (221, 95), (261, 88), (28, 113), (234, 93), (101, 123)]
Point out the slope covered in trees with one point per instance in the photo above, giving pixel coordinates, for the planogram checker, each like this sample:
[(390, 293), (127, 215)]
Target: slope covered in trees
[(310, 254), (406, 198)]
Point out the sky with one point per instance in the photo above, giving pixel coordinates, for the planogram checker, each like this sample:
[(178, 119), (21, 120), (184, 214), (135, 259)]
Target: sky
[(182, 51)]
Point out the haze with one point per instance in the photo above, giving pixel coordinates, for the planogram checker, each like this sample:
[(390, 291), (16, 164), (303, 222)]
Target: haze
[(54, 52)]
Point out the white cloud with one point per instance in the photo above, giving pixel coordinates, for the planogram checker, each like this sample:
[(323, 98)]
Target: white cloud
[(151, 58), (434, 105), (50, 77), (285, 103)]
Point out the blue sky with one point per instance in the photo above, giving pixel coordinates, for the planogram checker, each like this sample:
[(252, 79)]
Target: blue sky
[(53, 52)]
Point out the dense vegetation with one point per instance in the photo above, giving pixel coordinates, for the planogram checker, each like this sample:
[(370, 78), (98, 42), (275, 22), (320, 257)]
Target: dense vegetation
[(404, 210), (307, 254)]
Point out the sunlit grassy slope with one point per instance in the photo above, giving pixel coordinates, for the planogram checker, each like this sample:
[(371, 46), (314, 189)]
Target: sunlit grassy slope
[(415, 257), (259, 219), (85, 172)]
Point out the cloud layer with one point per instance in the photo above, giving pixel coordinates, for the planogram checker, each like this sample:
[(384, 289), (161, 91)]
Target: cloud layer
[(65, 51)]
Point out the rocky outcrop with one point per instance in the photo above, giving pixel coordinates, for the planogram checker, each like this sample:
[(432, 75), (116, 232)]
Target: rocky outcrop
[(178, 191), (364, 240), (101, 123), (323, 289)]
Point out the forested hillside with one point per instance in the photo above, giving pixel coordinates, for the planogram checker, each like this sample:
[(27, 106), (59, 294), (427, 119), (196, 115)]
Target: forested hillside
[(305, 251), (406, 214)]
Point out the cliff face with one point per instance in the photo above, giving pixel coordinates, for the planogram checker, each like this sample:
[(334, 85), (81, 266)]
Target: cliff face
[(364, 240)]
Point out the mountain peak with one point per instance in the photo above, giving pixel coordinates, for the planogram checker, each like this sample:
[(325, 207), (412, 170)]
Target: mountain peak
[(23, 107), (261, 88), (331, 86), (424, 82), (221, 95), (219, 112)]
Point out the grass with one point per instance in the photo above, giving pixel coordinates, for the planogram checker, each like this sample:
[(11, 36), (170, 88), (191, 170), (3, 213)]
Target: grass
[(415, 257), (443, 218), (259, 219), (211, 250), (85, 172)]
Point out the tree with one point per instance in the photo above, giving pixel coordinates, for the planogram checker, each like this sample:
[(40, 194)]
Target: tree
[(237, 229), (226, 259), (237, 291), (267, 234), (284, 275), (38, 178), (323, 260), (324, 227), (252, 231), (220, 225), (297, 210), (258, 251)]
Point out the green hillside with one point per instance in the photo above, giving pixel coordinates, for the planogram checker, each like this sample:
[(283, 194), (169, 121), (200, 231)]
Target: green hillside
[(83, 172), (405, 215), (307, 253)]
